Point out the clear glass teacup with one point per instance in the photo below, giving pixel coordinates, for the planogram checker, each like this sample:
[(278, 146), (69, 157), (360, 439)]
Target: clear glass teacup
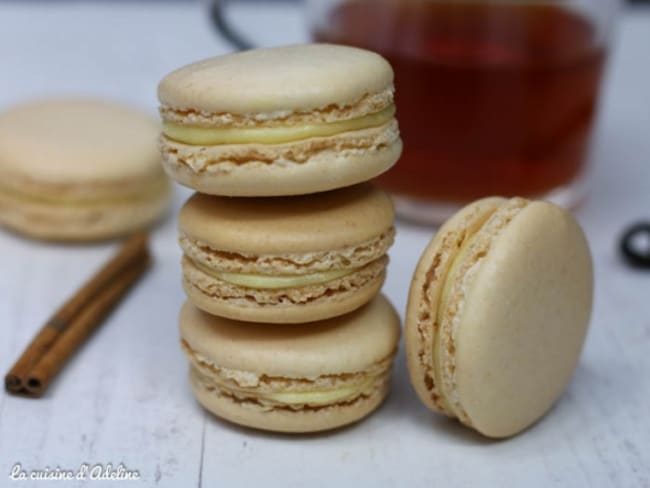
[(494, 97)]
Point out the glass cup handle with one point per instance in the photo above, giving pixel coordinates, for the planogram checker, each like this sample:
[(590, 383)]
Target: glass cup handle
[(217, 11)]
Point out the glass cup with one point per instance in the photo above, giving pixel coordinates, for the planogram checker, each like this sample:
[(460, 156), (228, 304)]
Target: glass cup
[(494, 97)]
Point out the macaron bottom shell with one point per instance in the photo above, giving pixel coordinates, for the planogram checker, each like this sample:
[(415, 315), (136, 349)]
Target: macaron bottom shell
[(421, 328), (310, 166), (83, 220), (284, 306), (303, 419)]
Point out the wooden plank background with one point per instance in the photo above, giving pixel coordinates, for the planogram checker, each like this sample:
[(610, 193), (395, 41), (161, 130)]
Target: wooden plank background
[(125, 399)]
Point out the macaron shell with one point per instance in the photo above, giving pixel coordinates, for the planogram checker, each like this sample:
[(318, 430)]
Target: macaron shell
[(330, 305), (77, 147), (81, 222), (321, 222), (354, 257), (345, 344), (257, 170), (524, 321), (287, 420), (281, 79), (425, 292)]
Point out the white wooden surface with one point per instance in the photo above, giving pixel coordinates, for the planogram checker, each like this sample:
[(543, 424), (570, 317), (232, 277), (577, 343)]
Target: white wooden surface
[(124, 397)]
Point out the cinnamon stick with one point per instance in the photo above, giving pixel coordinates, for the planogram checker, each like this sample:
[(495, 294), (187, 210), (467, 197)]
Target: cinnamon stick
[(73, 322)]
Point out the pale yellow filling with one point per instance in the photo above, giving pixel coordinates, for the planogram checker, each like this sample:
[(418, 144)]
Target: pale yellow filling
[(323, 397), (449, 280), (210, 136), (151, 191), (269, 282), (313, 397)]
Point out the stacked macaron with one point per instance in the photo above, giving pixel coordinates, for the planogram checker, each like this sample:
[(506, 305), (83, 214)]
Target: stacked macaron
[(284, 246)]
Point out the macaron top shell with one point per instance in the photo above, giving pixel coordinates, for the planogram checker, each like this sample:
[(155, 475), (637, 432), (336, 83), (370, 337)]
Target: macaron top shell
[(277, 80), (71, 142), (319, 222), (346, 344)]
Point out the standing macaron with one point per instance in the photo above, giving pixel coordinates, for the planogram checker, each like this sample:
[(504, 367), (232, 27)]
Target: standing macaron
[(279, 121), (79, 169), (290, 378), (286, 259), (498, 312)]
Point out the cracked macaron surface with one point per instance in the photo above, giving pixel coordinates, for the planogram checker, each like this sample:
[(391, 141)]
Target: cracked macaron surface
[(289, 259), (279, 121), (290, 378), (498, 312)]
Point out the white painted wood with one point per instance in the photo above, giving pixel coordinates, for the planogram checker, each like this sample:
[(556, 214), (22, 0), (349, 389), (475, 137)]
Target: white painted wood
[(124, 397)]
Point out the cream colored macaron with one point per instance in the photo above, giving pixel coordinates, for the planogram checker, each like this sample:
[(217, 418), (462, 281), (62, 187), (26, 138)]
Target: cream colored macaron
[(498, 312), (280, 121), (290, 378), (286, 259), (79, 169)]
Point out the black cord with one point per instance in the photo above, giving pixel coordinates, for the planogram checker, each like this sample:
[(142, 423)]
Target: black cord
[(635, 245), (217, 14)]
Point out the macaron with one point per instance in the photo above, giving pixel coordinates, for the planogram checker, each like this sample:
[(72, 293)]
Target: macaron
[(286, 259), (290, 378), (79, 169), (279, 121), (497, 314)]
